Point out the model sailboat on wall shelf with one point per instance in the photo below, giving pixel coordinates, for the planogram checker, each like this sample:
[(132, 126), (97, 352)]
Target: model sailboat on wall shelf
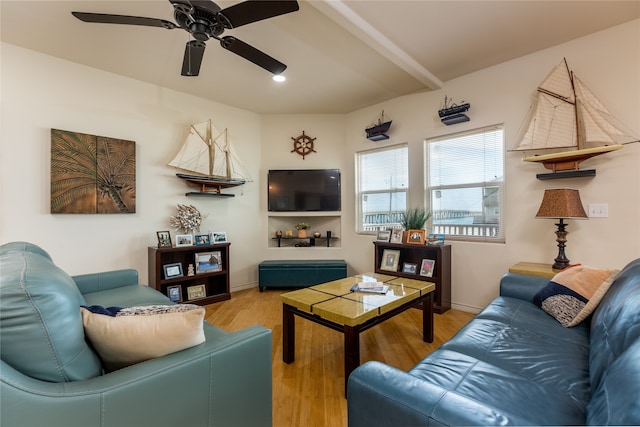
[(568, 115), (208, 158)]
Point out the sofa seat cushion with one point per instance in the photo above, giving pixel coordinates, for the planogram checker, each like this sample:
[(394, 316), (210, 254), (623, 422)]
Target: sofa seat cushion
[(126, 336), (502, 392), (126, 296), (40, 324), (517, 359)]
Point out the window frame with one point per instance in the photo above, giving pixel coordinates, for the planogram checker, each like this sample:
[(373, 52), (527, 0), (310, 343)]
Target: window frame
[(473, 232), (359, 211)]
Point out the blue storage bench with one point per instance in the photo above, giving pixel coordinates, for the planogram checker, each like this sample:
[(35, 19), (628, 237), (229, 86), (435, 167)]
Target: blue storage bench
[(299, 273)]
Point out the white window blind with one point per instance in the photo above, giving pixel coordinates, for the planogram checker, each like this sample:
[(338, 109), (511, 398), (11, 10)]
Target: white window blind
[(382, 185), (465, 184)]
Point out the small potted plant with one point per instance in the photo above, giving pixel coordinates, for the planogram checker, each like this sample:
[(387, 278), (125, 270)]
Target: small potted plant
[(302, 228), (414, 219)]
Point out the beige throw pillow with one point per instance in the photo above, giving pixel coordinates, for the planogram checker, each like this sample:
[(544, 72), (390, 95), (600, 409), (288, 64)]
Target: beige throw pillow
[(123, 337)]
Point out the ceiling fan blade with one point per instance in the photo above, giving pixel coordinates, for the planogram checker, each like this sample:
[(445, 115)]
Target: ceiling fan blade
[(256, 10), (193, 53), (103, 18), (252, 54)]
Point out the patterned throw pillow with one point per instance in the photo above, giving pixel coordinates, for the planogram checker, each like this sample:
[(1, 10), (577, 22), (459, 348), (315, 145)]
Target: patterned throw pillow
[(574, 293), (125, 336)]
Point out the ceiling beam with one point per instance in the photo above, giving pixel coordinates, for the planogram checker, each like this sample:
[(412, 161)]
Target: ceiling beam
[(344, 16)]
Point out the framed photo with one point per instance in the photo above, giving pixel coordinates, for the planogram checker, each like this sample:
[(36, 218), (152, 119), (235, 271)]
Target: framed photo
[(202, 239), (196, 292), (172, 270), (219, 237), (426, 268), (415, 237), (174, 293), (390, 259), (409, 268), (164, 239), (435, 239), (208, 262), (396, 236), (383, 235), (184, 240)]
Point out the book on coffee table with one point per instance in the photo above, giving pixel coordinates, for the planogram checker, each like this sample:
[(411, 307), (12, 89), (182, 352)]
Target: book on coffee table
[(375, 287)]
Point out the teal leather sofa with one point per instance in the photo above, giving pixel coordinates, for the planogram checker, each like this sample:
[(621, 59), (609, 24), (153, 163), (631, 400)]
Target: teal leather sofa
[(51, 376), (514, 364)]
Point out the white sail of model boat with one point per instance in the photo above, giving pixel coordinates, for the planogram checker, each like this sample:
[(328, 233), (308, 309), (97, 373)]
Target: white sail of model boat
[(568, 115), (210, 161)]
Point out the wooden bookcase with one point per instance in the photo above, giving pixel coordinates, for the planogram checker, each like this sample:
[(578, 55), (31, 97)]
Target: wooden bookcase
[(415, 254), (216, 283)]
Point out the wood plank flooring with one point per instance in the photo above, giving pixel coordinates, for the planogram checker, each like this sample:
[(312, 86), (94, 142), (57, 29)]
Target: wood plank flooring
[(310, 391)]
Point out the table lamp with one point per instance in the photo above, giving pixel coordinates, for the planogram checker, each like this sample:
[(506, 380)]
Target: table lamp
[(561, 203)]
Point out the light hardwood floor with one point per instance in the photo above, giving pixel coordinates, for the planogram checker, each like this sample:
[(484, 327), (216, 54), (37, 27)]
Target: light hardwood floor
[(310, 391)]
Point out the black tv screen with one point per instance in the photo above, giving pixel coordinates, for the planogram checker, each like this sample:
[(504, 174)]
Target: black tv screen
[(304, 190)]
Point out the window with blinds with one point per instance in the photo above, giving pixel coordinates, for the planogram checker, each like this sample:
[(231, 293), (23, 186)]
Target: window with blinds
[(465, 184), (382, 184)]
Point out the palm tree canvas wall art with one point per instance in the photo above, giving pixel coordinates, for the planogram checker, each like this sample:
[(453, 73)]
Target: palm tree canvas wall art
[(92, 174)]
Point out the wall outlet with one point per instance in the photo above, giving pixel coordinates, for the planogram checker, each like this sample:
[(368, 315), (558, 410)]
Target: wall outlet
[(598, 210)]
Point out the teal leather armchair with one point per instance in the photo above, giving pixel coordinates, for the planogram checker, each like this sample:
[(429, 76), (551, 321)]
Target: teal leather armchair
[(50, 375)]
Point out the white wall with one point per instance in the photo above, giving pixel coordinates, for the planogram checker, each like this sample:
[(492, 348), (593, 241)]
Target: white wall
[(609, 64), (40, 92)]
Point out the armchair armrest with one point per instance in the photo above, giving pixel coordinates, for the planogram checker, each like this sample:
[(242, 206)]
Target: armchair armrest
[(380, 395), (106, 280), (225, 381), (521, 286)]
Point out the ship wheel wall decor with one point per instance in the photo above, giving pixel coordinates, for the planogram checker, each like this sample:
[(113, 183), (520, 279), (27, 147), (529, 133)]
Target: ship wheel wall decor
[(303, 145)]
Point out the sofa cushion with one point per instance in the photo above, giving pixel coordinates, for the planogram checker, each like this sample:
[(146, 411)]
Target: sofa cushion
[(523, 340), (40, 324), (615, 400), (615, 324), (574, 293), (512, 398), (125, 336)]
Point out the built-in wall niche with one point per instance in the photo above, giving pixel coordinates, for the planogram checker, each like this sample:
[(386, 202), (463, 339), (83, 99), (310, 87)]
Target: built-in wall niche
[(319, 223)]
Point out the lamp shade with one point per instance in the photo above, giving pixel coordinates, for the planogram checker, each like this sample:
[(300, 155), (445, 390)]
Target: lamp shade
[(561, 203)]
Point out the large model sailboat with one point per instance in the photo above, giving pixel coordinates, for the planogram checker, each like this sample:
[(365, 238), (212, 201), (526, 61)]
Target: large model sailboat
[(208, 157), (568, 115)]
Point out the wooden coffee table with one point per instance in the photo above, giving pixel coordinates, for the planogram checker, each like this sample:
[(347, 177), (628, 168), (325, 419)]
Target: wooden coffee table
[(333, 305)]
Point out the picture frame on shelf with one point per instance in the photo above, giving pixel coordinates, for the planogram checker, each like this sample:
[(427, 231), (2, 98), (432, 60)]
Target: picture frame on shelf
[(426, 267), (383, 235), (174, 293), (208, 262), (202, 240), (164, 239), (173, 270), (390, 260), (396, 235), (196, 292), (184, 240), (219, 237), (409, 268), (415, 237)]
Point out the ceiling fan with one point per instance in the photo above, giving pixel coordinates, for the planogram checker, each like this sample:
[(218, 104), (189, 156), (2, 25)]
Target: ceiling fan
[(204, 19)]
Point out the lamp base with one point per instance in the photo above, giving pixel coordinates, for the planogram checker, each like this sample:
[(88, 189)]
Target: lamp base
[(561, 261)]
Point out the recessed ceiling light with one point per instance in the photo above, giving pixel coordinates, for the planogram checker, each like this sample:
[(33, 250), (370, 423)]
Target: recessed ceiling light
[(279, 78)]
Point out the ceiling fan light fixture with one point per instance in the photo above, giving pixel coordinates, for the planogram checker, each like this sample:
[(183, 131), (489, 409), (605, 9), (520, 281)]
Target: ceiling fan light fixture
[(279, 78)]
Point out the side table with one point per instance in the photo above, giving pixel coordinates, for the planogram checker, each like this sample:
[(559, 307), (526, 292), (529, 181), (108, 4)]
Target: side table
[(534, 269)]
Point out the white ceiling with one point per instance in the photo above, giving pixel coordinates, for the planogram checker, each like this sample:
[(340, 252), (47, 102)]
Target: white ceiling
[(342, 55)]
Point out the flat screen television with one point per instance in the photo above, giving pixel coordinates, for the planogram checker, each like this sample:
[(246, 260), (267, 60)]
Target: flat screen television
[(304, 190)]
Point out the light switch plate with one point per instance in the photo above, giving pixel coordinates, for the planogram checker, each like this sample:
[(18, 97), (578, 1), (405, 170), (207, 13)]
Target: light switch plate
[(598, 210)]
